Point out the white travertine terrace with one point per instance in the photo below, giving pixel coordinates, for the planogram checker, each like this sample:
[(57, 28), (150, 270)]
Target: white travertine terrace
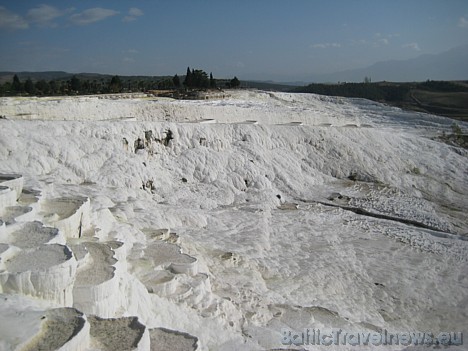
[(61, 264), (156, 224), (7, 197), (33, 234), (96, 289), (12, 181), (69, 215), (46, 272)]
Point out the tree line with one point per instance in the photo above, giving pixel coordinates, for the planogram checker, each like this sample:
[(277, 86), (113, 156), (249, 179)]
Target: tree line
[(366, 90), (199, 79), (382, 91), (194, 79), (443, 86), (74, 86)]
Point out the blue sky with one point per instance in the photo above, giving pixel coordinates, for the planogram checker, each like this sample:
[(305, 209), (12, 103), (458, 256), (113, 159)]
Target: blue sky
[(254, 39)]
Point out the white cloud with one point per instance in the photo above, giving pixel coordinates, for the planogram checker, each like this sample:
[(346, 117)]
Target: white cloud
[(383, 41), (358, 42), (133, 14), (129, 55), (326, 45), (44, 15), (10, 20), (463, 22), (413, 46), (377, 40), (92, 15)]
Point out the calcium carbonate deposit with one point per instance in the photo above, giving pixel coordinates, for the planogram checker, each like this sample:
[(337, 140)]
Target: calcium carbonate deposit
[(242, 223)]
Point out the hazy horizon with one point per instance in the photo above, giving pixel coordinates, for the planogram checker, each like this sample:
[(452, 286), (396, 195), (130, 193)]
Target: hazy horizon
[(262, 40)]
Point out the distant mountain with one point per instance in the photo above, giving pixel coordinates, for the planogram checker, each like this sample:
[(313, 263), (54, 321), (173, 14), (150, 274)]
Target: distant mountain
[(449, 65), (50, 75), (59, 75)]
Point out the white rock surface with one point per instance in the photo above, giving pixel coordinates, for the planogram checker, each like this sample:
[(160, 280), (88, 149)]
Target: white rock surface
[(96, 290), (285, 210), (12, 181), (46, 272), (7, 197), (69, 215), (21, 320)]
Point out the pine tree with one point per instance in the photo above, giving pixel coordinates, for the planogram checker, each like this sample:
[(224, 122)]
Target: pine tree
[(115, 85), (16, 87), (188, 78), (212, 81), (43, 87), (176, 81), (75, 84), (29, 87), (54, 87), (200, 79)]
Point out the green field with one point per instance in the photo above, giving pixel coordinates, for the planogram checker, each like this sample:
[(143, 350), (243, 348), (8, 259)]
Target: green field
[(444, 98), (453, 104)]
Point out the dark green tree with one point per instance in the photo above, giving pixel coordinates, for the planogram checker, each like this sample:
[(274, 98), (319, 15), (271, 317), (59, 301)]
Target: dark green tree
[(176, 81), (29, 87), (54, 87), (196, 78), (234, 83), (64, 87), (115, 85), (200, 79), (16, 87), (166, 84), (5, 89), (75, 84), (43, 87), (188, 79), (212, 81)]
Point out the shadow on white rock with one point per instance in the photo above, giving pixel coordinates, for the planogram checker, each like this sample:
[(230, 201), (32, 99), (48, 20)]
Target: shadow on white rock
[(63, 329), (163, 339), (33, 234), (118, 334), (30, 324)]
